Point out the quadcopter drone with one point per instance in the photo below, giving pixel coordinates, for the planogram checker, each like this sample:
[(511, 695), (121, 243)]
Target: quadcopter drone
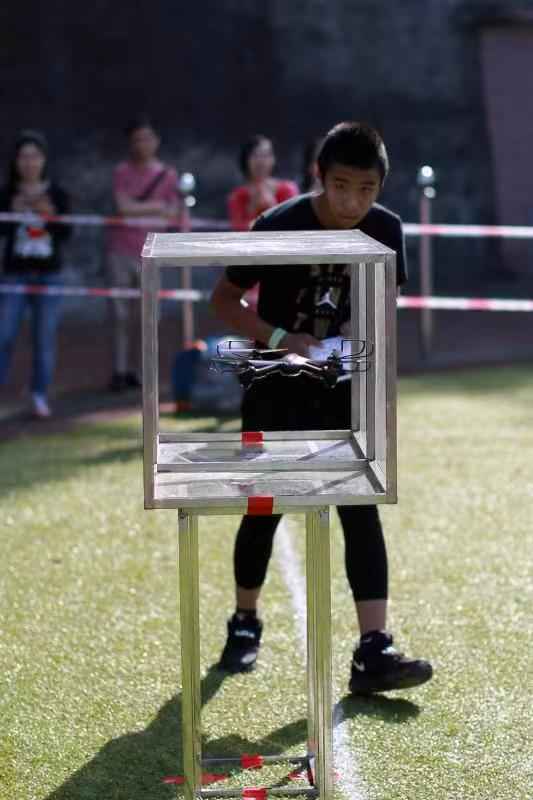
[(251, 363)]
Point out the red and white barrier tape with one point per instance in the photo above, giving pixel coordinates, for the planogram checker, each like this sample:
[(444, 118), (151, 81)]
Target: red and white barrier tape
[(157, 223), (115, 292), (464, 303), (503, 231), (194, 295), (99, 221)]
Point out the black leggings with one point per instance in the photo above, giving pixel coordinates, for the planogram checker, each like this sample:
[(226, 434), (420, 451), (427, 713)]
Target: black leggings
[(365, 553), (280, 404)]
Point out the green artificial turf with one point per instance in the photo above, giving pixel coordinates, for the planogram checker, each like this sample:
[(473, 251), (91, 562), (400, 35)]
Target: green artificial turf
[(89, 643)]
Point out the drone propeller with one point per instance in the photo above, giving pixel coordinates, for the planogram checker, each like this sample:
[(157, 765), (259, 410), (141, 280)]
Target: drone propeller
[(355, 360), (244, 349), (222, 364), (364, 347)]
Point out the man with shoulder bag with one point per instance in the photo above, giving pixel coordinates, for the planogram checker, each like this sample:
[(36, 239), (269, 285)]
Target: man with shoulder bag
[(143, 186)]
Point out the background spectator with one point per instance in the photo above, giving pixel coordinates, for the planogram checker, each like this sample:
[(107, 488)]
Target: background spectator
[(143, 186), (32, 255), (261, 190)]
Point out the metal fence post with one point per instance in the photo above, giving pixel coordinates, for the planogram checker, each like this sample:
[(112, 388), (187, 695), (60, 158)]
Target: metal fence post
[(426, 181), (186, 187)]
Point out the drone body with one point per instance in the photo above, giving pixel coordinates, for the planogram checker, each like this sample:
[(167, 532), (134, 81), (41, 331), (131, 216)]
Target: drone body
[(252, 363)]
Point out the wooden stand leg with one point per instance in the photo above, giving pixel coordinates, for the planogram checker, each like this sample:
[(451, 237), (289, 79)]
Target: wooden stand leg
[(190, 652), (320, 741)]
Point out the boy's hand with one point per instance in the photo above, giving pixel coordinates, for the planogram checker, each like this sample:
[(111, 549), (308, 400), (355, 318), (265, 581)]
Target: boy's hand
[(299, 343)]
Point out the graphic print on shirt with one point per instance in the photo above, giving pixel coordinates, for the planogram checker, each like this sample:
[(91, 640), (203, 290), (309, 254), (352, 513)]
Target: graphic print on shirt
[(323, 304), (32, 241)]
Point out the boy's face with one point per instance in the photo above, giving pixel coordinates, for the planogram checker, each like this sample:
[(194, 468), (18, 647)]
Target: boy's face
[(349, 193)]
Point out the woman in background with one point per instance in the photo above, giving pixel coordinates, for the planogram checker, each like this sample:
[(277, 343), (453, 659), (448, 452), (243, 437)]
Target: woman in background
[(32, 255), (261, 190)]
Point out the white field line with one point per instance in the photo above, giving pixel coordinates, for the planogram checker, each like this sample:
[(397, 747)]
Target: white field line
[(348, 778)]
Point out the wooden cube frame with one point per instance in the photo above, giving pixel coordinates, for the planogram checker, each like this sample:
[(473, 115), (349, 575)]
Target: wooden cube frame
[(216, 473)]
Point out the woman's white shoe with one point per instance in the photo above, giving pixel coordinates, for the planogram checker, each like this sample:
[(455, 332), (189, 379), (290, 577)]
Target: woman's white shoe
[(41, 409)]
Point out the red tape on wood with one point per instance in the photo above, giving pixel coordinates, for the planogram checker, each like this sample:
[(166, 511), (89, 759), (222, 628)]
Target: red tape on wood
[(255, 794), (251, 762), (260, 506), (252, 437)]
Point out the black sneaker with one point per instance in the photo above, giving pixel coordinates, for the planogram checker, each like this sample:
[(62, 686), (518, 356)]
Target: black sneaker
[(378, 667), (242, 646)]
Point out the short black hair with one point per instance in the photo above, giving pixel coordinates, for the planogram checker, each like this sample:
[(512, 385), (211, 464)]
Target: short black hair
[(248, 148), (353, 144), (138, 122)]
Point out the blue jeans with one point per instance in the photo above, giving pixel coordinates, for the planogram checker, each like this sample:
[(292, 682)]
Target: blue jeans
[(44, 318)]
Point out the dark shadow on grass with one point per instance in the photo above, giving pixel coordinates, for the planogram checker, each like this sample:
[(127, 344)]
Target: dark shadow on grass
[(70, 410), (32, 460), (389, 709), (131, 767), (274, 743), (59, 466)]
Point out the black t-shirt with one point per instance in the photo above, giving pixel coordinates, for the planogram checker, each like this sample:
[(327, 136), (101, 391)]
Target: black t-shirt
[(34, 247), (313, 299)]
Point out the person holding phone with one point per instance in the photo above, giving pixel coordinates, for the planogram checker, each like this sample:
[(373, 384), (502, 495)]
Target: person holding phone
[(261, 190), (32, 256)]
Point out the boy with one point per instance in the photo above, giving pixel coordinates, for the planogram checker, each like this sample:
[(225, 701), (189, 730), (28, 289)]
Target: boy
[(297, 308)]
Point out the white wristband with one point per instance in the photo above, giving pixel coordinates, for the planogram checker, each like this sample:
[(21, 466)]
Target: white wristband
[(276, 337)]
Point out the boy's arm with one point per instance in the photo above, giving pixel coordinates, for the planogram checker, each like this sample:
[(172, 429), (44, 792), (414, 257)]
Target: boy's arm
[(227, 305)]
